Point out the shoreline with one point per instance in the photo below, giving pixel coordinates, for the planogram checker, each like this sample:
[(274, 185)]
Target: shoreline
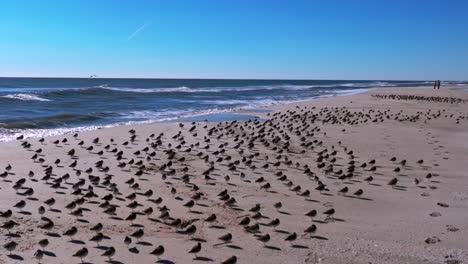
[(51, 132)]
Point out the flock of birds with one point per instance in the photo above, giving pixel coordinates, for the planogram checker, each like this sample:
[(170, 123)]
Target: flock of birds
[(407, 97), (188, 182)]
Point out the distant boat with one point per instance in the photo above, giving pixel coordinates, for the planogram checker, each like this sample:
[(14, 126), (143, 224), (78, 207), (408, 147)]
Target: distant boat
[(92, 76)]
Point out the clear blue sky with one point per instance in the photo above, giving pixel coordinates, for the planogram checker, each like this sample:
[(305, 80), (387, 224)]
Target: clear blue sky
[(308, 39)]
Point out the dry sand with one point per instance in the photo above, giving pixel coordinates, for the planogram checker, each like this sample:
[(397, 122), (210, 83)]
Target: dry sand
[(406, 223)]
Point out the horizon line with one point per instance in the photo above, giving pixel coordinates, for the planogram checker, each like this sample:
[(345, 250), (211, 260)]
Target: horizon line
[(197, 78)]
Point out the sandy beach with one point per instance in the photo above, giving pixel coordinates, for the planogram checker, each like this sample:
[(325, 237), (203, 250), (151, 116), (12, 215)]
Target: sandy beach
[(376, 177)]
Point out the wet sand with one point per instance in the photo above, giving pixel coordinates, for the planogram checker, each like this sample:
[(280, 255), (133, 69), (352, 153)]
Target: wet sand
[(391, 163)]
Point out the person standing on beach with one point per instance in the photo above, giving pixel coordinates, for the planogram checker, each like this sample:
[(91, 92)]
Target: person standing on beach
[(438, 84), (435, 84)]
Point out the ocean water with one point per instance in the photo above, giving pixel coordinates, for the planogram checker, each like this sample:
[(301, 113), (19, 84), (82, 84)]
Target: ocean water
[(47, 106)]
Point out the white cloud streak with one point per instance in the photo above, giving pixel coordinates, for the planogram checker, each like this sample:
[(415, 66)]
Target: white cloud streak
[(134, 34)]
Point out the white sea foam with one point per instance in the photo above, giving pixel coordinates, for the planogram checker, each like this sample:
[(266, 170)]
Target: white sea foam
[(26, 97)]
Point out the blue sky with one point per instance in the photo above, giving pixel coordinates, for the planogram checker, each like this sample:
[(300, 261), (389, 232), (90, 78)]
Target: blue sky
[(366, 39)]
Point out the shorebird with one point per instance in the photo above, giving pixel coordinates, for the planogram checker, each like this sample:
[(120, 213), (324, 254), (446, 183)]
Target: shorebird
[(231, 260), (329, 213), (10, 246), (43, 243), (7, 214), (71, 232), (9, 225), (393, 182), (358, 193), (97, 228), (343, 191), (127, 241), (138, 234), (20, 205), (158, 251), (39, 254), (291, 237), (97, 238), (196, 249), (265, 238), (311, 229), (226, 238), (278, 205), (81, 254), (109, 253)]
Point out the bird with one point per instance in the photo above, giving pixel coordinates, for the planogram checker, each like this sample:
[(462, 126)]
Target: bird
[(109, 253), (226, 238), (358, 193), (20, 205), (230, 260), (127, 241), (97, 238), (265, 238), (343, 191), (291, 237), (7, 214), (329, 213), (196, 249), (311, 213), (39, 254), (9, 225), (211, 218), (311, 229), (138, 234), (278, 205), (10, 246), (81, 253), (43, 243), (158, 251), (71, 232), (97, 228), (393, 182)]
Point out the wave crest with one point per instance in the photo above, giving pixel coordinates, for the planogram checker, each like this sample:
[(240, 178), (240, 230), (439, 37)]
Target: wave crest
[(26, 97)]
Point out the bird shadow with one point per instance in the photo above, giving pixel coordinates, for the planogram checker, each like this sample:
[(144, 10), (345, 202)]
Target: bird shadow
[(203, 259), (49, 254), (319, 237), (114, 262), (282, 231), (217, 227), (52, 234), (82, 220), (311, 200), (273, 248), (319, 221), (55, 210), (234, 247), (144, 243), (76, 241), (15, 257), (165, 261), (283, 212), (198, 239), (12, 235), (300, 246), (25, 212)]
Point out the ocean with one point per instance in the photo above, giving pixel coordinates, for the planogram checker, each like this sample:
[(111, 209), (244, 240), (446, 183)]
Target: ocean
[(49, 106)]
